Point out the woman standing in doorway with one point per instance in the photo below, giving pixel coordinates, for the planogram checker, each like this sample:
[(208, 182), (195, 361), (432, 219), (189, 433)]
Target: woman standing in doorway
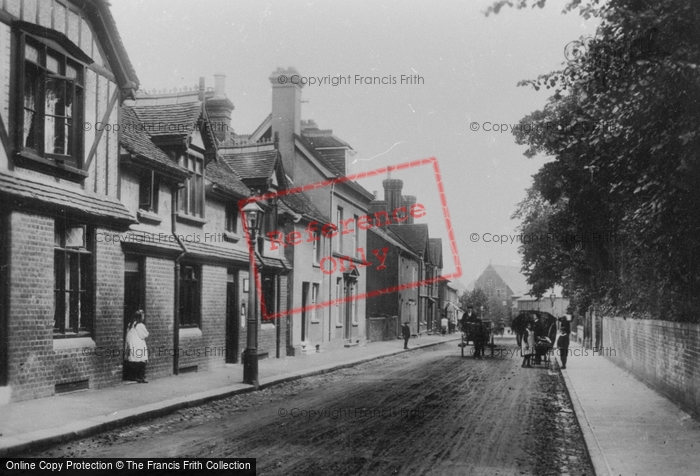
[(136, 349)]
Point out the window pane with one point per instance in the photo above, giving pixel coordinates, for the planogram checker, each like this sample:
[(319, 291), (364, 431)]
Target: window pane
[(199, 210), (75, 237), (31, 53), (31, 98), (52, 64), (71, 71), (74, 294), (55, 140), (58, 304), (85, 314)]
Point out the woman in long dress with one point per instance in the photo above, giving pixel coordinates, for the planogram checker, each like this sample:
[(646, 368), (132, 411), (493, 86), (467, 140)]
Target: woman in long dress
[(136, 349)]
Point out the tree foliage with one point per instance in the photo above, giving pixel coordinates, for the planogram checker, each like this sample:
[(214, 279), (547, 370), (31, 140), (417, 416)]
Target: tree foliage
[(622, 193), (476, 298)]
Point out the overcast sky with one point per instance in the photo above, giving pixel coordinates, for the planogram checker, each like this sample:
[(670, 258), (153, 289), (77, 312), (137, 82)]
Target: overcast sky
[(469, 64)]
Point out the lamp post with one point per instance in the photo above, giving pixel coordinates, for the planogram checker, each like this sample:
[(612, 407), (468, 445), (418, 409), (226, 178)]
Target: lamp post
[(253, 215)]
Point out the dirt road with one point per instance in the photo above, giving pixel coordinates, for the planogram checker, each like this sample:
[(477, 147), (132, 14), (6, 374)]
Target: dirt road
[(428, 411)]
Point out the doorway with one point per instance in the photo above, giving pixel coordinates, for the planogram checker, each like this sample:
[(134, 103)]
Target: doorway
[(134, 298), (304, 311), (350, 305)]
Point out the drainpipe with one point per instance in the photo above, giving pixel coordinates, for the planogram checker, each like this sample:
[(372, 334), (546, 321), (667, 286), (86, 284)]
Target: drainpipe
[(176, 311)]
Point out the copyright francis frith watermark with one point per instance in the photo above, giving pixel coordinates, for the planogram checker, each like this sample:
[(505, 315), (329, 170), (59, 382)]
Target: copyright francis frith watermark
[(352, 80)]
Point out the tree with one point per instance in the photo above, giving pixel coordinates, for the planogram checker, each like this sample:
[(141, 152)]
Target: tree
[(476, 298), (623, 126)]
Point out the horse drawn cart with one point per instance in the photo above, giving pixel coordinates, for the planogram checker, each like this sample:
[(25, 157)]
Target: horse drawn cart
[(480, 332)]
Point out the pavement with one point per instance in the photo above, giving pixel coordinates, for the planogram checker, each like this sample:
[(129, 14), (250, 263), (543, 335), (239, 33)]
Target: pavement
[(35, 424), (629, 428)]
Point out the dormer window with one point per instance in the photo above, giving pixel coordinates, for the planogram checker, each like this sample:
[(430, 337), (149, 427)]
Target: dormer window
[(232, 218), (51, 86), (192, 195)]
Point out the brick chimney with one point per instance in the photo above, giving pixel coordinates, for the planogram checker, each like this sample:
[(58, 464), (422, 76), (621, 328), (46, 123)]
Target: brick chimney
[(286, 113), (392, 193), (219, 109), (408, 201)]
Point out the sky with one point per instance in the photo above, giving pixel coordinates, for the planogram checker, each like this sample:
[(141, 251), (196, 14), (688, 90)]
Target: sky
[(468, 66)]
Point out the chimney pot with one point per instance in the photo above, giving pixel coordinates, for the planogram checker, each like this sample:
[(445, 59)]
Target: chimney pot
[(220, 84)]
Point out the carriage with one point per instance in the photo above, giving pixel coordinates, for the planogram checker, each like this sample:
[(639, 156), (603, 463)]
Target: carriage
[(545, 327), (480, 332)]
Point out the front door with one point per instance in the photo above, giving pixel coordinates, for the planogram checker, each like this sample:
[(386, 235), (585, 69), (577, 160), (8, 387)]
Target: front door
[(232, 319), (349, 294), (304, 312)]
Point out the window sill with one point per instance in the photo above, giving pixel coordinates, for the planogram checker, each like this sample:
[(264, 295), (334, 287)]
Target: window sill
[(74, 343), (231, 237), (29, 159), (338, 325), (315, 321), (191, 220), (266, 326), (144, 215), (190, 332)]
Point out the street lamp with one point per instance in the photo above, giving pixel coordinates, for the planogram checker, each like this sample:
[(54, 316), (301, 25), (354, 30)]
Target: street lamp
[(253, 215)]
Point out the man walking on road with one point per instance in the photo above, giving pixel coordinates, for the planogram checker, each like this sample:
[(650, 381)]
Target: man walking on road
[(406, 333)]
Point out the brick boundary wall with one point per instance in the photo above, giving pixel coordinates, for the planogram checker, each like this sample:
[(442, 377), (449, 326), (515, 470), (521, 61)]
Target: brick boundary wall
[(664, 354)]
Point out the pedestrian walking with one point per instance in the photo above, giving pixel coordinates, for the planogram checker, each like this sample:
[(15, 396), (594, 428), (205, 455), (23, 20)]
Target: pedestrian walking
[(528, 345), (406, 333), (444, 325), (563, 340), (136, 350)]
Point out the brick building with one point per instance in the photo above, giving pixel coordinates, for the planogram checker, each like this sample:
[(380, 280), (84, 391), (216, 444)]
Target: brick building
[(63, 74), (187, 259), (420, 261), (311, 156)]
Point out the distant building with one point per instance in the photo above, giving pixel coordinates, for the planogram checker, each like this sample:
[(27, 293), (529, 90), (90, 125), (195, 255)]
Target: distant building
[(557, 306), (449, 301), (502, 282)]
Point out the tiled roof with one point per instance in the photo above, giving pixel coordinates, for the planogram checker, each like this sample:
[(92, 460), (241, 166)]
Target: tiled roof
[(335, 157), (166, 119), (81, 203), (323, 141), (207, 250), (252, 165), (300, 203), (415, 236), (219, 174), (135, 140)]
